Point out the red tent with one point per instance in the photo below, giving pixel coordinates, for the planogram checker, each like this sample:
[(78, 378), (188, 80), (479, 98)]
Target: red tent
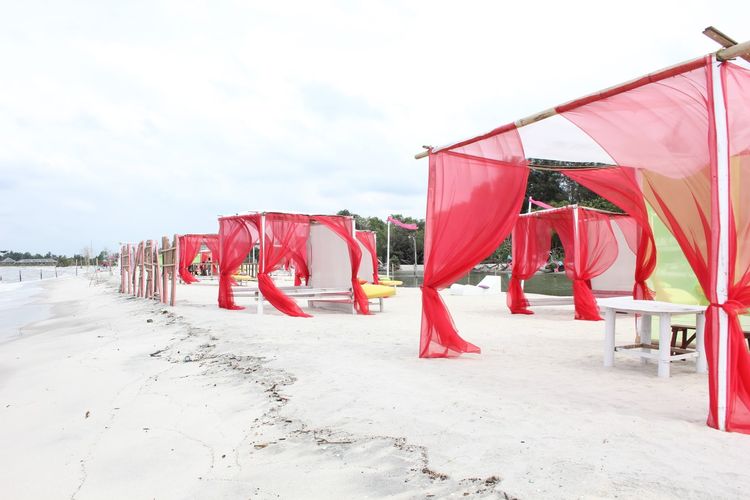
[(284, 239), (190, 246), (678, 139), (590, 245)]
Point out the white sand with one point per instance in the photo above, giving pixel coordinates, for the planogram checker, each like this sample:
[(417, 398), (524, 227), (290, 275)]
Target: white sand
[(339, 406)]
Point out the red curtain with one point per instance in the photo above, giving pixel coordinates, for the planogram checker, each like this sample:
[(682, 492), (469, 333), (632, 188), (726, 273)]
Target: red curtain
[(590, 249), (367, 238), (343, 227), (282, 232), (298, 254), (472, 205), (737, 89), (620, 186), (212, 242), (237, 236), (530, 245), (190, 245), (671, 139)]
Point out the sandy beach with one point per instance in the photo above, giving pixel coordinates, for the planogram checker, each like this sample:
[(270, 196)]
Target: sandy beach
[(116, 397)]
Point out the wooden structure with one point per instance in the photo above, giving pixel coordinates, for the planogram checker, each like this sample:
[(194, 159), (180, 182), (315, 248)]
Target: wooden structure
[(170, 262), (150, 272)]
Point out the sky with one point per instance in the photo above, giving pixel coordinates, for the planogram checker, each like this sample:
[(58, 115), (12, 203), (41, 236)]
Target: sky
[(123, 121)]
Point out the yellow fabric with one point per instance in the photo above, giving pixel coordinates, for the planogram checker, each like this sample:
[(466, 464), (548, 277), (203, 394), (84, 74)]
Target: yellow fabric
[(378, 291), (243, 277), (391, 282)]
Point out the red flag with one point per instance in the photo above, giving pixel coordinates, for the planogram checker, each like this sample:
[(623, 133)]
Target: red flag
[(410, 227)]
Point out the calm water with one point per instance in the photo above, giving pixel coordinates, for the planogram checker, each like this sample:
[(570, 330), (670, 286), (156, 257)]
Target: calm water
[(14, 274), (547, 284)]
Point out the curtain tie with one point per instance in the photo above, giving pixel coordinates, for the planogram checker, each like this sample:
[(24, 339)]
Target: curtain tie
[(732, 307)]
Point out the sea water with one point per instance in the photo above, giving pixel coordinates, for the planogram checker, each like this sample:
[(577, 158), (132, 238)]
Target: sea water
[(13, 274), (20, 305), (543, 283)]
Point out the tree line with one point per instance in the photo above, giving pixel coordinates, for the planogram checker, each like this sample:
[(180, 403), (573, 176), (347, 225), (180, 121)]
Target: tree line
[(62, 260), (548, 186)]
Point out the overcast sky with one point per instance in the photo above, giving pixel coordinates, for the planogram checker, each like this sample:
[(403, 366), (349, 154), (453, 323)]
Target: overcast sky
[(127, 120)]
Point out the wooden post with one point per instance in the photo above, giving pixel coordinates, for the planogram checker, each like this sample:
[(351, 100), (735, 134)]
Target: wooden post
[(157, 273), (388, 250), (720, 192), (142, 274), (175, 267), (164, 269)]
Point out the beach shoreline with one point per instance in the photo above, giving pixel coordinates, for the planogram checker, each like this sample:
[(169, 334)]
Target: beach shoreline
[(117, 394)]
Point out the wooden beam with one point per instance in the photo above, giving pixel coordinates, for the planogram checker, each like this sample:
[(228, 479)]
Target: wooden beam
[(741, 50), (738, 50), (719, 37)]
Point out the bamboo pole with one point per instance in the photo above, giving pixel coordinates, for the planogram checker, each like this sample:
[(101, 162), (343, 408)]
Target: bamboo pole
[(739, 50), (175, 268)]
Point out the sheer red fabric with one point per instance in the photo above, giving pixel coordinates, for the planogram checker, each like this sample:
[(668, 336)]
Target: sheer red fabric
[(190, 245), (620, 186), (472, 205), (237, 236), (212, 242), (664, 127), (672, 140), (282, 232), (368, 240), (298, 254), (590, 249), (531, 241), (737, 91), (343, 226)]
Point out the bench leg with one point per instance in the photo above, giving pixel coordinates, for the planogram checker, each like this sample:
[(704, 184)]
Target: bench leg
[(381, 304), (701, 364), (665, 348), (645, 335), (609, 338)]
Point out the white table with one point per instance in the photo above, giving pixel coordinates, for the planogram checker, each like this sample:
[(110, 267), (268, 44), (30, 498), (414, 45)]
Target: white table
[(644, 350)]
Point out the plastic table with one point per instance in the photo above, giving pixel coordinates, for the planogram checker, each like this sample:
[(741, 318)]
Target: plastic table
[(645, 349)]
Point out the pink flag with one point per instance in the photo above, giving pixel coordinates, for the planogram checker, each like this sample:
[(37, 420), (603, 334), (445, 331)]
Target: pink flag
[(410, 227), (539, 203)]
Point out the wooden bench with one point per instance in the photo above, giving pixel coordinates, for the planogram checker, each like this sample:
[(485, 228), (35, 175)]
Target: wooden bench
[(688, 339), (313, 295)]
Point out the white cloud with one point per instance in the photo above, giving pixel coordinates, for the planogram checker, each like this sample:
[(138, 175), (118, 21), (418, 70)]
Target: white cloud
[(128, 120)]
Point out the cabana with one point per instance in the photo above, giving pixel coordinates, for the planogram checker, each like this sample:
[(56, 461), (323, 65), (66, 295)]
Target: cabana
[(595, 248), (190, 247), (678, 139), (322, 249)]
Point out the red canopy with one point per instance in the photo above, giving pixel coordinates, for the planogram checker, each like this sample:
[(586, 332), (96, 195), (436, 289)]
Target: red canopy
[(682, 138), (283, 241), (590, 249), (190, 246)]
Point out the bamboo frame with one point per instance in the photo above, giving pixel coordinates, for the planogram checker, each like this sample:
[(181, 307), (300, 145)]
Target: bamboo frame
[(169, 267), (151, 264), (125, 268), (739, 50), (574, 206)]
